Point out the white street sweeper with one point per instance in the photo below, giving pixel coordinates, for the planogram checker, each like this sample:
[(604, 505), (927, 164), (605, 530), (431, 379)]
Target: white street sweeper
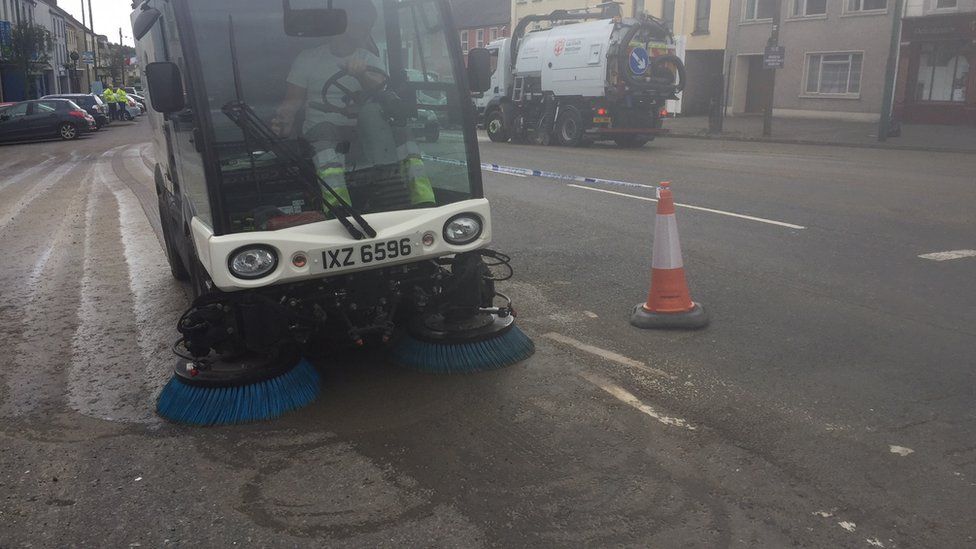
[(296, 199), (591, 76)]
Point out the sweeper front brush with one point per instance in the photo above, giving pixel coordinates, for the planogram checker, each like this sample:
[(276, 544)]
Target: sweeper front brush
[(486, 342), (233, 395)]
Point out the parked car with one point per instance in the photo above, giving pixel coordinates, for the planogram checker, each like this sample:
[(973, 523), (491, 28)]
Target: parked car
[(139, 99), (90, 102), (44, 118), (132, 110), (133, 90)]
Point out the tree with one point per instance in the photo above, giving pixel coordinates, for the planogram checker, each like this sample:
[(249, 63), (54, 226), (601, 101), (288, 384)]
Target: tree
[(30, 51), (117, 58)]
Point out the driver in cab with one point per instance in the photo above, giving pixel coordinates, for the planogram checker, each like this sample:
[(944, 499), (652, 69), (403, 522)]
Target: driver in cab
[(329, 84)]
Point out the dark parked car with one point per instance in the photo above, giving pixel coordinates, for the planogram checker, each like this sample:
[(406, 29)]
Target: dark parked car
[(44, 118), (90, 102)]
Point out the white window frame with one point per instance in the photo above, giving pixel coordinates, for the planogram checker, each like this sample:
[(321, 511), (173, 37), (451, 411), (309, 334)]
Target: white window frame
[(745, 16), (479, 38), (464, 41), (847, 95), (943, 9), (804, 14), (493, 34), (849, 11)]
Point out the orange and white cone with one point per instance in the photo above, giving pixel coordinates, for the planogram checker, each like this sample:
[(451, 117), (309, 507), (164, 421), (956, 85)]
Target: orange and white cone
[(669, 303)]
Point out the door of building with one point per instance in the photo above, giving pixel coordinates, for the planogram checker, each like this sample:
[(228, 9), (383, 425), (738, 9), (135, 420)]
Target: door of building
[(758, 85)]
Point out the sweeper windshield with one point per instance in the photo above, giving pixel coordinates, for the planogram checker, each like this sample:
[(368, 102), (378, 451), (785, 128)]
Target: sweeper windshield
[(362, 95)]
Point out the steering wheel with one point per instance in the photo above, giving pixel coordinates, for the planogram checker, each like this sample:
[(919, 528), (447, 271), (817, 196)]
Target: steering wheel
[(350, 97)]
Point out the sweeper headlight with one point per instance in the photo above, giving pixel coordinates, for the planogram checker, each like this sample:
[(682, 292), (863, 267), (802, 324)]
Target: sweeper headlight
[(463, 229), (252, 262)]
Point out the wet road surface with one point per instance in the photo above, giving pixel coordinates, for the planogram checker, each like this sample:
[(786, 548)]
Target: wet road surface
[(829, 405)]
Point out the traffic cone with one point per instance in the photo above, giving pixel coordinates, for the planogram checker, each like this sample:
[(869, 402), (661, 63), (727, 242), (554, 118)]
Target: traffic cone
[(669, 303)]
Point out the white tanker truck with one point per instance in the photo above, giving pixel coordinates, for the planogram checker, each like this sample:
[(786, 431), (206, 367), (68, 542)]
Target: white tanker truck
[(591, 76)]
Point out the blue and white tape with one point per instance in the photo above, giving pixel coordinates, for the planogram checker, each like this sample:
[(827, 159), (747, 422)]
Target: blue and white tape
[(527, 172)]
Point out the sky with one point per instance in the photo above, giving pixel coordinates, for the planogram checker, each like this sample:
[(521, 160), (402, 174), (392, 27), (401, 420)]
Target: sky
[(109, 16)]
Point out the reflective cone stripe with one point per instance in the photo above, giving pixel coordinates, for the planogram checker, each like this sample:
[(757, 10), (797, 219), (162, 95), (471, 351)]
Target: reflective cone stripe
[(669, 287)]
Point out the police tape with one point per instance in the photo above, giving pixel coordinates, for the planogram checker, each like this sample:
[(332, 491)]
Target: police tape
[(527, 172)]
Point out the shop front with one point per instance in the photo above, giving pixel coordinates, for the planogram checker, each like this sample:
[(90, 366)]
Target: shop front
[(935, 82)]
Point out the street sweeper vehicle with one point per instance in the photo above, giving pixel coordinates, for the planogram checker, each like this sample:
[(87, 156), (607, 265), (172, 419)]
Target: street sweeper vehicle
[(296, 200), (591, 76)]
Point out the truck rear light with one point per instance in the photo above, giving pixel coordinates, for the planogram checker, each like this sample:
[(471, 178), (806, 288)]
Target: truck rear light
[(663, 113), (601, 112)]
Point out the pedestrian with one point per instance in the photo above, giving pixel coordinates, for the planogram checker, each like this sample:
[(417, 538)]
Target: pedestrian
[(122, 99), (109, 97)]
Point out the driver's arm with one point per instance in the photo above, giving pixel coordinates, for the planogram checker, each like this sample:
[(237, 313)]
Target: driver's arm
[(368, 80), (283, 123)]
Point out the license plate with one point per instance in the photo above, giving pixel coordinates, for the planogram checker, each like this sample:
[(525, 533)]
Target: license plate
[(361, 255), (601, 119)]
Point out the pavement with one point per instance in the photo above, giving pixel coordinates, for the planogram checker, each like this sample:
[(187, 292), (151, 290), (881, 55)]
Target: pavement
[(748, 127), (829, 404)]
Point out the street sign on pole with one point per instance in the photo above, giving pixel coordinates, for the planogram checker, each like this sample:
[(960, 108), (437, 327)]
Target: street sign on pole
[(88, 57), (773, 57)]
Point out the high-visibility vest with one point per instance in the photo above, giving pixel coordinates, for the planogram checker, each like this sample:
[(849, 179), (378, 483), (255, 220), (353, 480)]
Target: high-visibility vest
[(121, 96), (108, 96)]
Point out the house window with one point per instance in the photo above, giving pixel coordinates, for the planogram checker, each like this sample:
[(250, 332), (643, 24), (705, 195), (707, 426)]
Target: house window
[(833, 73), (667, 13), (758, 10), (464, 41), (703, 9), (481, 38), (494, 34), (866, 5), (809, 8), (945, 4), (942, 72), (638, 7)]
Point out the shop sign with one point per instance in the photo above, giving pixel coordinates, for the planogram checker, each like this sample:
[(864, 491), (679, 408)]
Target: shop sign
[(940, 27)]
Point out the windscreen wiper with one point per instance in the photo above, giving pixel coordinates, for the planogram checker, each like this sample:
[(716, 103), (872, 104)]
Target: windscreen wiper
[(252, 125)]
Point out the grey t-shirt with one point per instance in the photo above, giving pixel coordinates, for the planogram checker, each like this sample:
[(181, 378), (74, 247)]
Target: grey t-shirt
[(313, 68)]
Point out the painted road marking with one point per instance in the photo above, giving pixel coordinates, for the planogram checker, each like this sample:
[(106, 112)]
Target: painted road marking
[(629, 399), (607, 355), (698, 208), (946, 256)]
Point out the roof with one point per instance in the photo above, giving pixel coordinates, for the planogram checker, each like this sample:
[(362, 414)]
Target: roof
[(481, 13)]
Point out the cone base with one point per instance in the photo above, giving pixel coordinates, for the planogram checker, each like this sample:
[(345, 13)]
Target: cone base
[(691, 320)]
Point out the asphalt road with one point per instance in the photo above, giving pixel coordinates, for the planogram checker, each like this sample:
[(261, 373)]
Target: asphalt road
[(829, 404)]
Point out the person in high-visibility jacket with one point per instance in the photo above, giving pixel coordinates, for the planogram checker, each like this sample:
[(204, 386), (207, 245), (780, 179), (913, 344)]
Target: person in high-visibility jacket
[(333, 131), (122, 100), (108, 96)]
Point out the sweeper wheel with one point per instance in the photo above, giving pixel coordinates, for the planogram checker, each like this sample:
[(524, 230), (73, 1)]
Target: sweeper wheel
[(481, 342), (242, 390)]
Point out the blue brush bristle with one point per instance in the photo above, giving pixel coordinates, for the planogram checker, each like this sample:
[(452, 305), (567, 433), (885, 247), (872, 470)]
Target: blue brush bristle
[(183, 403), (506, 349)]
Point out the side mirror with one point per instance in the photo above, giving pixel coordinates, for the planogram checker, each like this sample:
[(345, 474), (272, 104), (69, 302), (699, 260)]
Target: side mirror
[(314, 23), (145, 21), (165, 87), (479, 69)]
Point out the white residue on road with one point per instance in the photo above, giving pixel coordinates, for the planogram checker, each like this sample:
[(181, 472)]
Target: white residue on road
[(900, 450), (847, 525)]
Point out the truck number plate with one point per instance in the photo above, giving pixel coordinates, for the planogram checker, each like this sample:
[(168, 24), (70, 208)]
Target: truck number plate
[(601, 119), (367, 254)]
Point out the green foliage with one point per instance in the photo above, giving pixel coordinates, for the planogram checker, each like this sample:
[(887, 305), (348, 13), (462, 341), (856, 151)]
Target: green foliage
[(30, 51)]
